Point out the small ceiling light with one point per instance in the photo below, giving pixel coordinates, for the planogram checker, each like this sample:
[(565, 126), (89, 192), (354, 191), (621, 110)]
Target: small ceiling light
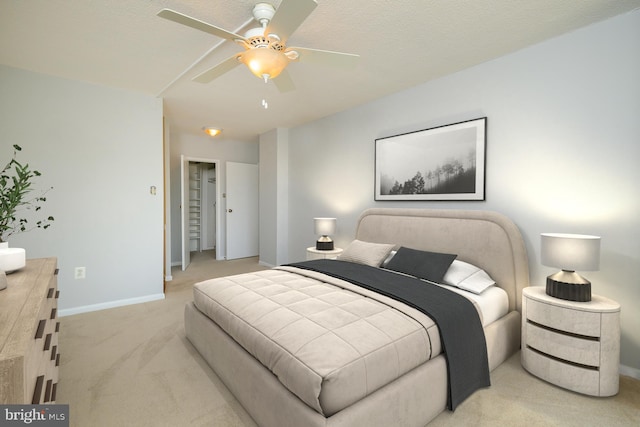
[(211, 131), (265, 104)]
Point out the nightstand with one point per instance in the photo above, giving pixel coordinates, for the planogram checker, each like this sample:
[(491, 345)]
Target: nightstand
[(313, 253), (575, 345)]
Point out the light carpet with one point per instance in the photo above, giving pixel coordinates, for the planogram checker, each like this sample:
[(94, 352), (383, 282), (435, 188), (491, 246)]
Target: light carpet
[(133, 366)]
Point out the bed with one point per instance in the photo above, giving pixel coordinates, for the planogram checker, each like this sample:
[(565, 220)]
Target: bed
[(391, 384)]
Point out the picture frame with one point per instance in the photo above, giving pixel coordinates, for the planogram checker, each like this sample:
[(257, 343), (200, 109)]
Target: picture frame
[(440, 163)]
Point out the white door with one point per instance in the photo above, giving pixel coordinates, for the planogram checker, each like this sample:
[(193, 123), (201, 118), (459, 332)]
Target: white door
[(184, 211), (242, 210)]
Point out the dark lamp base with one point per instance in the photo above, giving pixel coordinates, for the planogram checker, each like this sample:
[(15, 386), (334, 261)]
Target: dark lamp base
[(580, 292), (324, 246)]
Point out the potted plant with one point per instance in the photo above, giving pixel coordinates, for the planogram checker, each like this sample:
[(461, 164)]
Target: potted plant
[(16, 200)]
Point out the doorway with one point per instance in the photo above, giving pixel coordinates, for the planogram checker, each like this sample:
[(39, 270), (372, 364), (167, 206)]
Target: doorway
[(236, 209), (200, 206)]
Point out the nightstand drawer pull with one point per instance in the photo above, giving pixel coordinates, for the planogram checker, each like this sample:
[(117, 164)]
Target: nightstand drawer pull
[(50, 292)]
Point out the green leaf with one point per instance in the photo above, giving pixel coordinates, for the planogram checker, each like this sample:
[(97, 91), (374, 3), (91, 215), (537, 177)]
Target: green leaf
[(16, 184)]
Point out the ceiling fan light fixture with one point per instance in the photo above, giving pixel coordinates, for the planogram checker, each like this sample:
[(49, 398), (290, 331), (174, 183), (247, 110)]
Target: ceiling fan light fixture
[(264, 63), (266, 54), (212, 131)]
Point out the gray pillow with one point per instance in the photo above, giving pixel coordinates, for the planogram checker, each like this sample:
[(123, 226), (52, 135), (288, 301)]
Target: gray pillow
[(366, 253), (422, 264)]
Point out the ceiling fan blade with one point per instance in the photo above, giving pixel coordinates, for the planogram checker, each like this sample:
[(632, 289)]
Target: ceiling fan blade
[(289, 16), (180, 18), (284, 83), (218, 70), (326, 57)]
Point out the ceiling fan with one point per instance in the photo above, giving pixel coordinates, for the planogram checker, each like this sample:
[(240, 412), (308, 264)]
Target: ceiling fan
[(266, 53)]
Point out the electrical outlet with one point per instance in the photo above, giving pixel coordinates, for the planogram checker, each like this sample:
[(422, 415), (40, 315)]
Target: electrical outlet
[(80, 272)]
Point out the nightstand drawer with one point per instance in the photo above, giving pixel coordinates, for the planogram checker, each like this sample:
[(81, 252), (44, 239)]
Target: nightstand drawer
[(574, 378), (573, 321), (566, 347)]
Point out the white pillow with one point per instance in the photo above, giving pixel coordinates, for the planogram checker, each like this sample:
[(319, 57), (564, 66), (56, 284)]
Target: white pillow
[(467, 277), (388, 258), (366, 253)]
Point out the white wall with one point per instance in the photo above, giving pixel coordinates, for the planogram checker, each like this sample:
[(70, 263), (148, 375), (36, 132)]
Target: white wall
[(101, 150), (563, 148), (203, 147)]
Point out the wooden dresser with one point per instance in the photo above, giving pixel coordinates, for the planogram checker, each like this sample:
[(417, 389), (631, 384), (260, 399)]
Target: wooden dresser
[(29, 354)]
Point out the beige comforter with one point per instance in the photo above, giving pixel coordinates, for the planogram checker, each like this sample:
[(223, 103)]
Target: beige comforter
[(329, 342)]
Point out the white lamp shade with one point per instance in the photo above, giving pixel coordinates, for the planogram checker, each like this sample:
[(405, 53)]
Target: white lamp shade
[(572, 252), (324, 226)]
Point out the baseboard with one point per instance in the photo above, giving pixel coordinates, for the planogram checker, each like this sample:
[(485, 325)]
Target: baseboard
[(168, 278), (264, 264), (628, 371), (110, 304)]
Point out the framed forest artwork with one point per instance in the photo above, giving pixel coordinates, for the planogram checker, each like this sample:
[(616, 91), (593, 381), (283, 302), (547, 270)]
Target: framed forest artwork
[(441, 163)]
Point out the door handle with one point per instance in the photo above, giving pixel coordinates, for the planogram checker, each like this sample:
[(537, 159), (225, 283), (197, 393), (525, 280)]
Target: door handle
[(230, 210)]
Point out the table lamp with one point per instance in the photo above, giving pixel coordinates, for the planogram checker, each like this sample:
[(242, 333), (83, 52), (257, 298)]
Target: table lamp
[(324, 227), (570, 252)]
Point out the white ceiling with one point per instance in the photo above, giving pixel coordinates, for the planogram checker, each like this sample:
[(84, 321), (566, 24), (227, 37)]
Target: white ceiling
[(402, 43)]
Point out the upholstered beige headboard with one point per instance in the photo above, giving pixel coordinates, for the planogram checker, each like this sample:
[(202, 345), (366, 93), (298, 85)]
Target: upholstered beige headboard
[(487, 239)]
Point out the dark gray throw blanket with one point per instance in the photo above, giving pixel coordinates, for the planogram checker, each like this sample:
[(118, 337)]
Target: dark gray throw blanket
[(460, 328)]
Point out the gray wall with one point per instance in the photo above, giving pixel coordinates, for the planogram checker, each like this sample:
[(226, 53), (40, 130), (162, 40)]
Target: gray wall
[(274, 197), (563, 148), (101, 150)]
